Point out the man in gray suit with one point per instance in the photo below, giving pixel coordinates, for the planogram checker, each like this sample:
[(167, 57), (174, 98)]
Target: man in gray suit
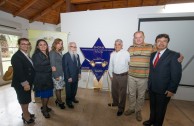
[(72, 73)]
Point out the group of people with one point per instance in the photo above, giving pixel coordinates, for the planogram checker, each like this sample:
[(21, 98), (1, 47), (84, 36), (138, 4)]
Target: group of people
[(144, 67), (43, 73)]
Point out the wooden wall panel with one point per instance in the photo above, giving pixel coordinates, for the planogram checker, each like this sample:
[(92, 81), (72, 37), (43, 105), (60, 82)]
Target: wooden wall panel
[(9, 8), (94, 6), (179, 1), (12, 6), (120, 4), (162, 2), (134, 3), (149, 2)]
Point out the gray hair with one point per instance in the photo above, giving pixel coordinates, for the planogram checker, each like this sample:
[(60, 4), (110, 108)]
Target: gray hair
[(119, 40), (71, 43)]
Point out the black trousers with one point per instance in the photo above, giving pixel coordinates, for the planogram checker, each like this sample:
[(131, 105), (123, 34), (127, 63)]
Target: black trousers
[(158, 106), (71, 91)]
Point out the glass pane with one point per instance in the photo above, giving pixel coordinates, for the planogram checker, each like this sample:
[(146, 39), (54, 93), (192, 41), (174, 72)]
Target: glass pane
[(8, 45), (5, 66), (9, 53), (8, 40)]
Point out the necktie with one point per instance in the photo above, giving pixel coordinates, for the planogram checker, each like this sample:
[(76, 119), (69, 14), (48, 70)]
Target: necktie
[(74, 59), (156, 60)]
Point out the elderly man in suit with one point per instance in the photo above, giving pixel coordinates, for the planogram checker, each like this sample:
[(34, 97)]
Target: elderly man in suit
[(72, 73), (164, 77)]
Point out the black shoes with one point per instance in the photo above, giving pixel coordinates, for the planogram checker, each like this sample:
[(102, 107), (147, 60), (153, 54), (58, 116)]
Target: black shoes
[(119, 113), (48, 109), (75, 101), (70, 106), (45, 114), (27, 121), (31, 115), (61, 105), (147, 123), (112, 104)]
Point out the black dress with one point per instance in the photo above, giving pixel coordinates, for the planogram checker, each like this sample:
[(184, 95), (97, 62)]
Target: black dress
[(43, 84), (22, 71)]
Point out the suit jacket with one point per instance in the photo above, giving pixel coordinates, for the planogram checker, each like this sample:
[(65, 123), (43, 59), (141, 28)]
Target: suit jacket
[(56, 60), (22, 69), (167, 73), (70, 69), (43, 77)]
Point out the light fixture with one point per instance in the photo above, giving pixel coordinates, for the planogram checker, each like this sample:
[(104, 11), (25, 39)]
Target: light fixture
[(177, 8)]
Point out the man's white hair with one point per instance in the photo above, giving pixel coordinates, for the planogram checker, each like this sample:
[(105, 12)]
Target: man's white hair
[(119, 40)]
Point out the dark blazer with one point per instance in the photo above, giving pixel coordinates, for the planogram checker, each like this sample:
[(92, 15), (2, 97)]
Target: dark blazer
[(22, 70), (43, 77), (69, 67), (167, 73)]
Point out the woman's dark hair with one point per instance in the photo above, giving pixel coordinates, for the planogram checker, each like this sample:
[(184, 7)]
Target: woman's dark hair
[(22, 39), (37, 50), (162, 36)]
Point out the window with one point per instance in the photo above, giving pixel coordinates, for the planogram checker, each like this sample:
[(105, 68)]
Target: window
[(8, 46)]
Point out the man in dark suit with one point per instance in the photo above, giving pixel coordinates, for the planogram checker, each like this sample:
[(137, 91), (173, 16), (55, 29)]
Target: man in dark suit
[(23, 77), (164, 77), (72, 73)]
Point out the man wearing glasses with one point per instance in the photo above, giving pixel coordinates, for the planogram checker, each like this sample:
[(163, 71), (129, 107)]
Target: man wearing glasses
[(72, 73)]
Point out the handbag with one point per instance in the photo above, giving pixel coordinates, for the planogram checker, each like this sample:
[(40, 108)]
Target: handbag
[(8, 74)]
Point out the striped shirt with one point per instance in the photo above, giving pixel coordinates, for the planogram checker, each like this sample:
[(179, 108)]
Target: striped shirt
[(139, 60)]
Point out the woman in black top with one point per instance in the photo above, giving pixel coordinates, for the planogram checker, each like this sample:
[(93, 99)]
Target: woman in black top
[(23, 76), (43, 84)]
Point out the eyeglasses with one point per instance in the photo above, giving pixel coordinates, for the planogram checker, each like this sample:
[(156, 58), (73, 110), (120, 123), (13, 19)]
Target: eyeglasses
[(73, 46), (25, 44)]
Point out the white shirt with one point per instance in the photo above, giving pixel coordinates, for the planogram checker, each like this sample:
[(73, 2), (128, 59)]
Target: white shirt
[(119, 62), (161, 52)]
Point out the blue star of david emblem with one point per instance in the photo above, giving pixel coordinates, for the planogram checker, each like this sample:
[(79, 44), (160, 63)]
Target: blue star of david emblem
[(96, 58)]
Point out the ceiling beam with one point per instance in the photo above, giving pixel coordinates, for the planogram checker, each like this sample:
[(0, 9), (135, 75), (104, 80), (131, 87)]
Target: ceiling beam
[(157, 2), (8, 1), (2, 2), (141, 3), (86, 1), (55, 5), (25, 7), (68, 6)]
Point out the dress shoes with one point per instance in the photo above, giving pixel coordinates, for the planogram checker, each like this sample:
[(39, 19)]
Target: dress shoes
[(129, 112), (147, 123), (48, 109), (75, 101), (31, 115), (112, 104), (70, 106), (119, 113)]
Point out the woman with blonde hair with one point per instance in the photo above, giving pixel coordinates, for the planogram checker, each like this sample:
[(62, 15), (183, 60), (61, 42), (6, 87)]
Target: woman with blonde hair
[(57, 70)]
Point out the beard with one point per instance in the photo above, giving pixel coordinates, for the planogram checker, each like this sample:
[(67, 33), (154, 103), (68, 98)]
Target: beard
[(73, 52)]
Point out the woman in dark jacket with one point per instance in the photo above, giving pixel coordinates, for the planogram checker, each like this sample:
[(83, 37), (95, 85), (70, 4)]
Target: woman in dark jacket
[(43, 84), (23, 76)]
